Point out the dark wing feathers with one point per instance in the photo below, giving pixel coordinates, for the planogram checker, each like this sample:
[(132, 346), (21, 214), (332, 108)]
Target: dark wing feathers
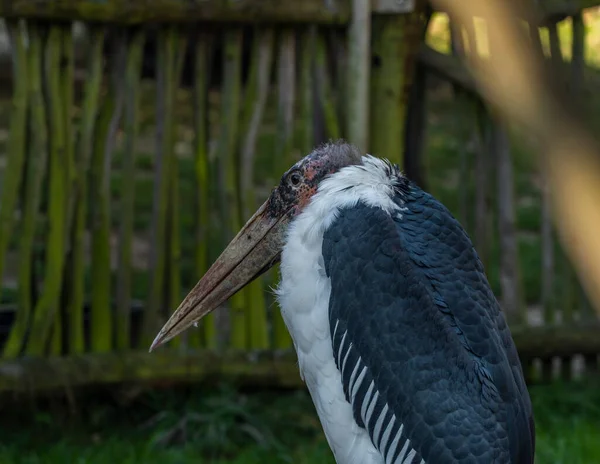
[(427, 360)]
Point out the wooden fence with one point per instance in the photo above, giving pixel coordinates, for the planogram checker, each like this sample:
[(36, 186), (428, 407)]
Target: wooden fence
[(126, 175)]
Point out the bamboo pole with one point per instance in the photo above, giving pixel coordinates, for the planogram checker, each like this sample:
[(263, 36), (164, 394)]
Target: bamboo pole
[(202, 54), (22, 65), (101, 316), (164, 112), (16, 149), (47, 306), (358, 74), (131, 126), (229, 168), (84, 154), (257, 92)]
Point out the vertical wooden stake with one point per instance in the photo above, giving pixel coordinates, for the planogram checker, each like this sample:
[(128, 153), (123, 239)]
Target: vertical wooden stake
[(83, 157), (202, 54), (257, 92), (176, 58), (308, 44), (358, 73), (229, 168), (48, 305), (286, 92), (24, 80), (101, 320), (325, 94), (286, 78), (131, 125)]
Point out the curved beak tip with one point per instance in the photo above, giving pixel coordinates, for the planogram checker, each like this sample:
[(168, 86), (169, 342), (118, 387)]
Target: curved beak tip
[(156, 343)]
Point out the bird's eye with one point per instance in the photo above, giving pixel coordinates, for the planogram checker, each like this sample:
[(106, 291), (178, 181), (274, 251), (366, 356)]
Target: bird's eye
[(294, 178)]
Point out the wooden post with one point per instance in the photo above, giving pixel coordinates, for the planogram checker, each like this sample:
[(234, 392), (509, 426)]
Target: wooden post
[(255, 99), (131, 122), (48, 305), (286, 99), (306, 93), (227, 156), (101, 318), (358, 74), (202, 55), (176, 54), (396, 39), (286, 78), (23, 67), (324, 90), (415, 126), (83, 158)]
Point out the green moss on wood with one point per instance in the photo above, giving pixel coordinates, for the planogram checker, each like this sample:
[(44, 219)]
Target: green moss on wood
[(131, 126), (306, 90), (26, 75), (254, 368), (67, 71), (170, 365), (16, 149), (257, 90), (47, 306), (227, 154), (326, 97), (175, 57), (135, 12), (164, 110), (101, 320), (202, 56), (286, 78), (83, 158), (388, 106)]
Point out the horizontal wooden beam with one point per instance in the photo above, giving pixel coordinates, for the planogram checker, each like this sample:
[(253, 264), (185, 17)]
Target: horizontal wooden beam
[(162, 11), (558, 341), (260, 369), (246, 11), (452, 69), (447, 67), (254, 369)]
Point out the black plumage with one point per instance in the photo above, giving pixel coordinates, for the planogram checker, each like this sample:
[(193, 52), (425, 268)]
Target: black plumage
[(424, 350)]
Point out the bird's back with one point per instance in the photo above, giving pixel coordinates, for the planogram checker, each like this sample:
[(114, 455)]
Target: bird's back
[(411, 306)]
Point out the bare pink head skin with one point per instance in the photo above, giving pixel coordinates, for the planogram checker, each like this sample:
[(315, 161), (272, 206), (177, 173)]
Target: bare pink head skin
[(257, 246)]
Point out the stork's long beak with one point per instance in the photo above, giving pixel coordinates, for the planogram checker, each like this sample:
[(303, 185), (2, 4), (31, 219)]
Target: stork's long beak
[(255, 249)]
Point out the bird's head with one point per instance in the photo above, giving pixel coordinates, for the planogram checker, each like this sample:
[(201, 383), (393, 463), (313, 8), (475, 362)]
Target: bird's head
[(257, 246)]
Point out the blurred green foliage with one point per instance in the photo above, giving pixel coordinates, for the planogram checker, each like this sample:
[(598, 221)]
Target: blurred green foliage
[(225, 426)]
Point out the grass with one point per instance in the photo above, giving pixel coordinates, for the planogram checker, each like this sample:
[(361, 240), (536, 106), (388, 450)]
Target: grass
[(226, 426)]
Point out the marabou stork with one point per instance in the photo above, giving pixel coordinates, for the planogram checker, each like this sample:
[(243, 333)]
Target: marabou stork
[(399, 338)]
